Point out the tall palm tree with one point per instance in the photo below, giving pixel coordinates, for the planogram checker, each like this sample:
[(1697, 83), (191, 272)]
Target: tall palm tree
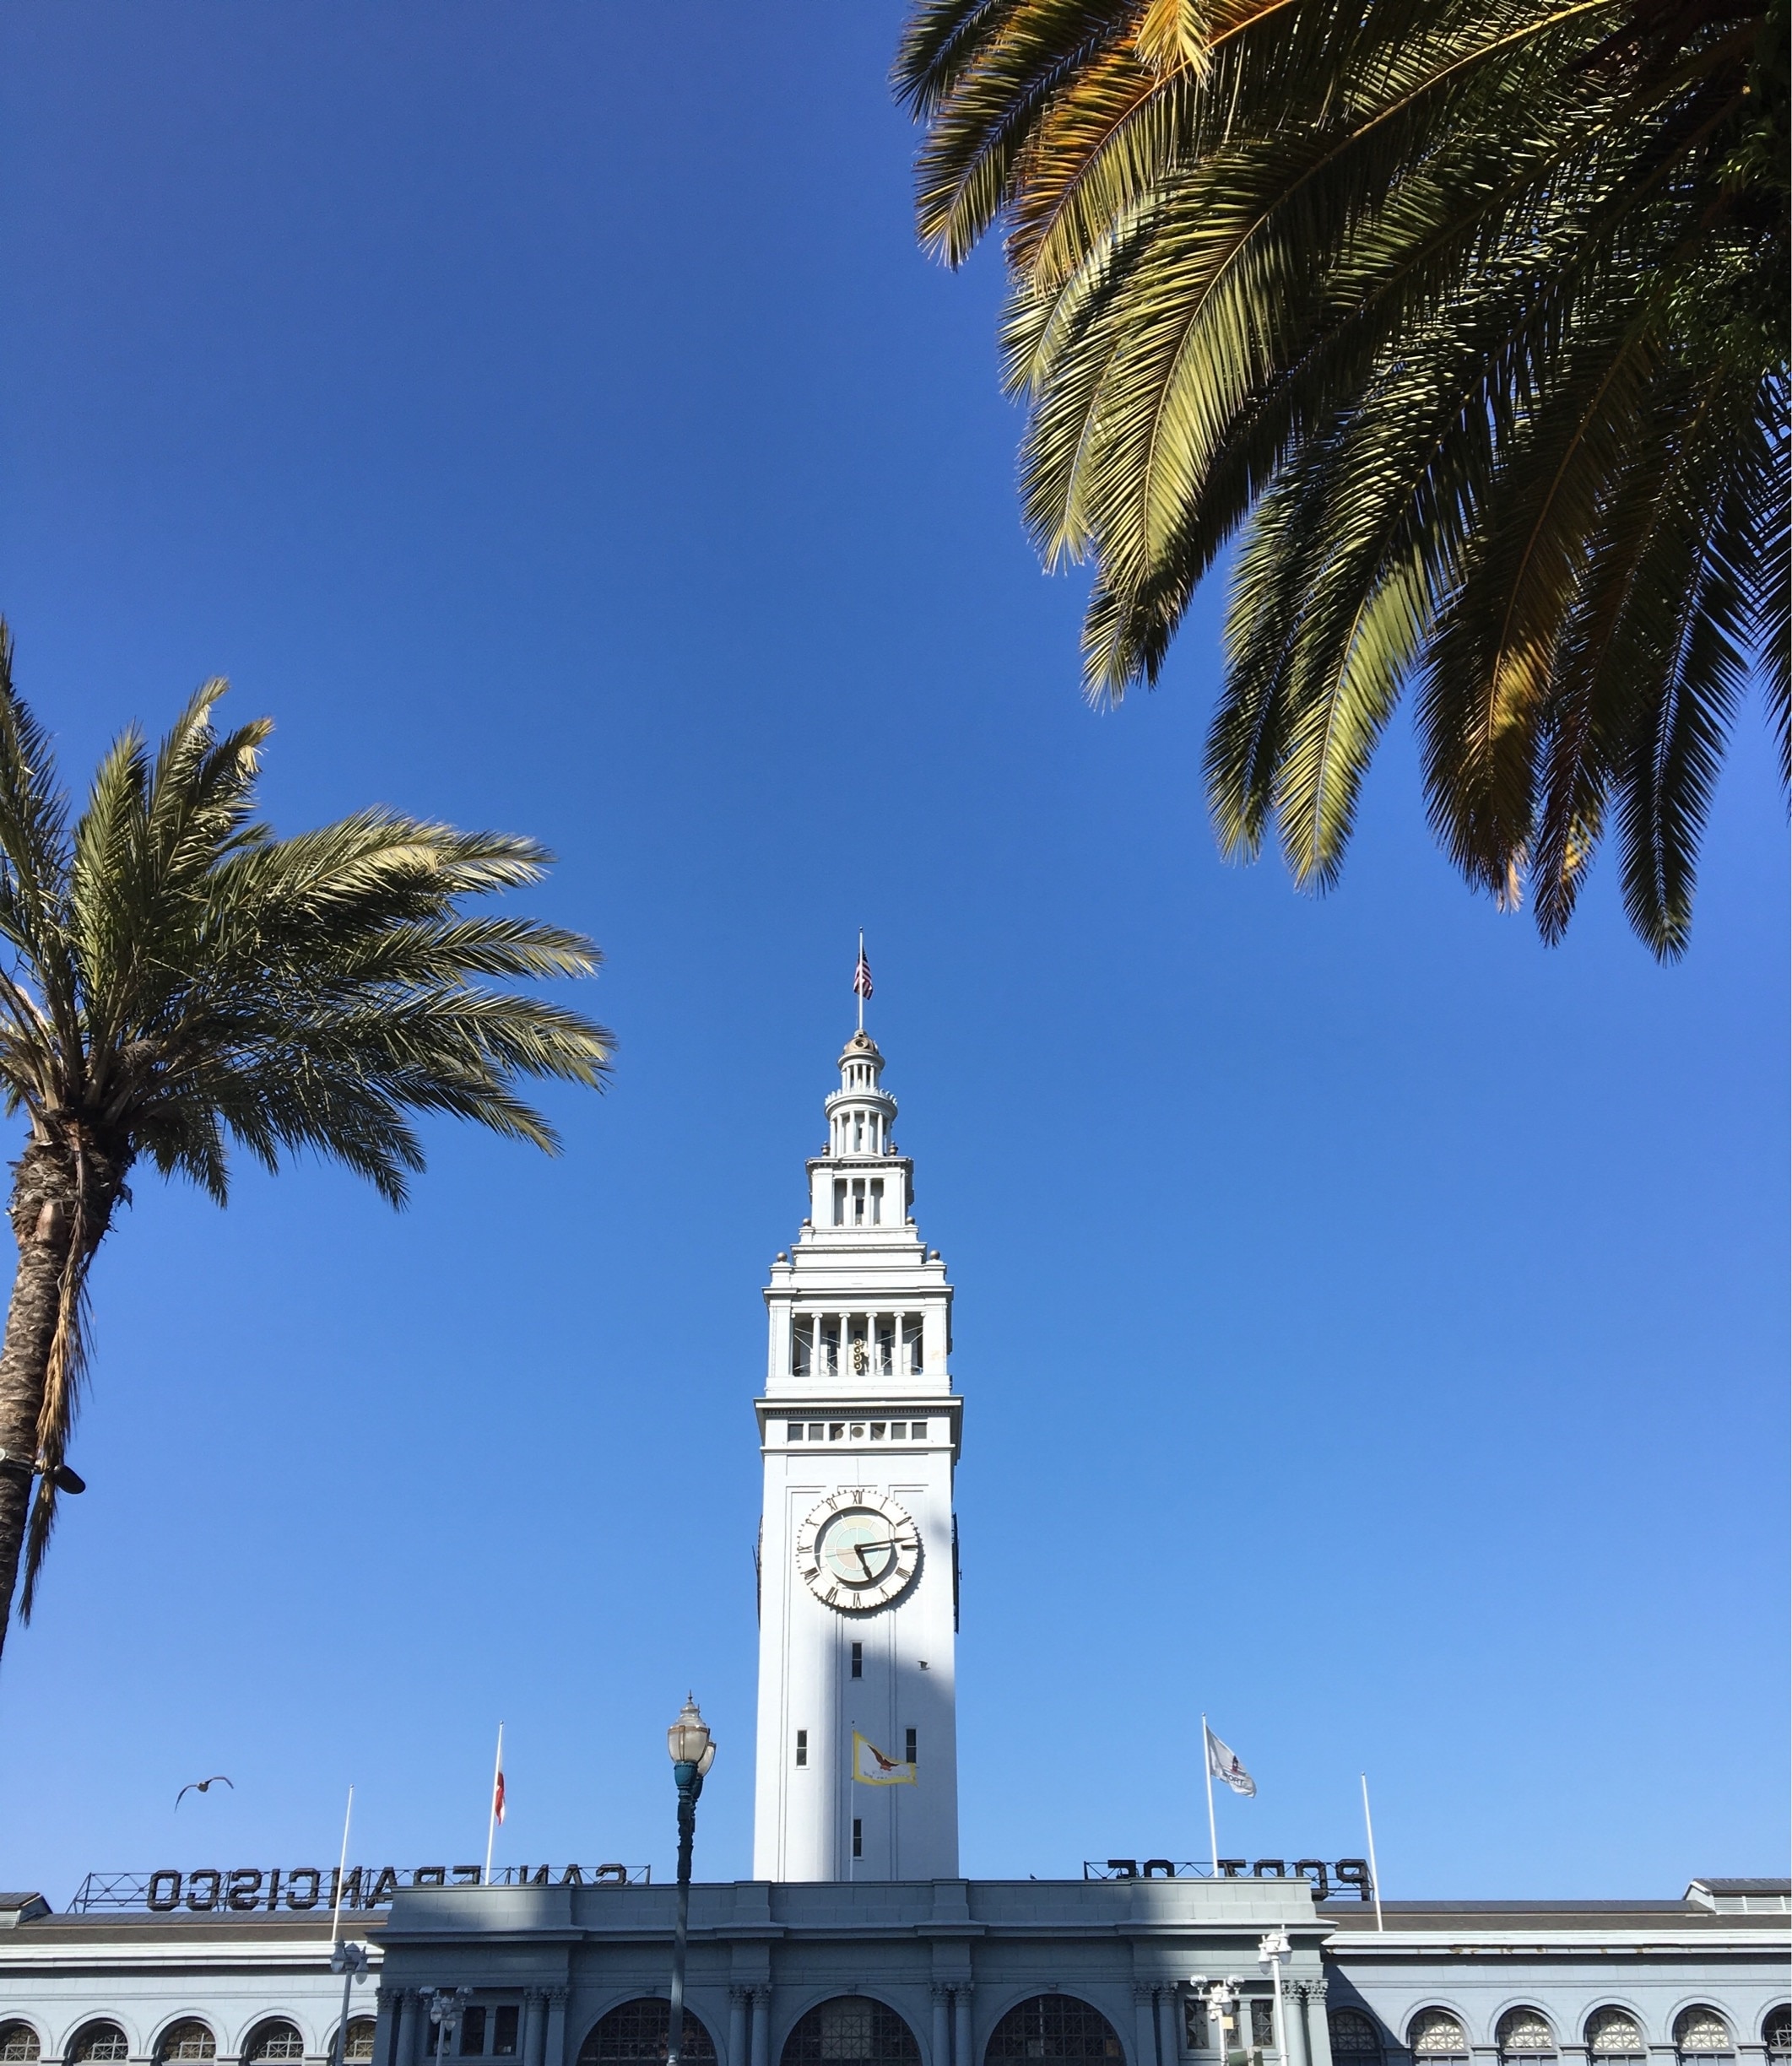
[(1473, 314), (174, 979)]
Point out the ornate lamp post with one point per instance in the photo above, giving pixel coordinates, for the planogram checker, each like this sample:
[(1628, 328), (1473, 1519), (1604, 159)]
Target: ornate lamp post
[(350, 1960), (692, 1751), (1274, 1949), (1223, 1998), (445, 2004)]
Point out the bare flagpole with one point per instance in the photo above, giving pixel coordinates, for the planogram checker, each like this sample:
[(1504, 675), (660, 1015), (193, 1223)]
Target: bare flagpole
[(342, 1872), (492, 1820), (1213, 1840), (1374, 1869)]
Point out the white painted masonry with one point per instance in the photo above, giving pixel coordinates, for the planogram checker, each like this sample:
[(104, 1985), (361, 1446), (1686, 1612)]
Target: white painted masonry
[(858, 1398)]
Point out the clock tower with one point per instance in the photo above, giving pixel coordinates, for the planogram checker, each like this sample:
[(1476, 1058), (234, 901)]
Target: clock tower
[(858, 1767)]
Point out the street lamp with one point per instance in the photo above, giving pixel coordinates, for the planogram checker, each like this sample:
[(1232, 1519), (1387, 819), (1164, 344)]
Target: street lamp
[(445, 2004), (350, 1960), (692, 1751), (1223, 1998), (1274, 1949)]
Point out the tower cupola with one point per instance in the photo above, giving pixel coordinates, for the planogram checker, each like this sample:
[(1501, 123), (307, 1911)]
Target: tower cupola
[(860, 1113)]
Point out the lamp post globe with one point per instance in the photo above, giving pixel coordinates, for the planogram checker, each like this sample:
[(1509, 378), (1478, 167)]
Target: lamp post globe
[(692, 1751), (1274, 1949)]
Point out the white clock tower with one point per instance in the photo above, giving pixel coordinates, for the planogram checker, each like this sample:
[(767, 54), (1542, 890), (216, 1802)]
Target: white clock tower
[(857, 1771)]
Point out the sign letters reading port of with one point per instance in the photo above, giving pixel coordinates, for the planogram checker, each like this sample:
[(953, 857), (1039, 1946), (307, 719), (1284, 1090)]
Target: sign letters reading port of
[(243, 1888), (1348, 1875)]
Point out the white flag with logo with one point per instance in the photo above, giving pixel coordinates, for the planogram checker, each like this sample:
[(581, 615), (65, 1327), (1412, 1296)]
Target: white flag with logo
[(1222, 1761)]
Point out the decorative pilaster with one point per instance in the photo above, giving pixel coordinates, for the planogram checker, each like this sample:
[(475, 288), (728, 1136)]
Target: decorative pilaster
[(762, 2026), (532, 2025), (942, 2047), (740, 1998), (1167, 2025), (556, 2044), (1145, 2028), (1315, 2033), (962, 2053), (408, 2003)]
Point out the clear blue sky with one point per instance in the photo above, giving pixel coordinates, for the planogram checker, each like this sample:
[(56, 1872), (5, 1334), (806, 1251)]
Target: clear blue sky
[(1373, 1324)]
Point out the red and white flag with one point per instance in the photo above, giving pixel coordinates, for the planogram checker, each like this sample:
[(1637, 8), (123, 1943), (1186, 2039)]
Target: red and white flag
[(862, 974), (497, 1797)]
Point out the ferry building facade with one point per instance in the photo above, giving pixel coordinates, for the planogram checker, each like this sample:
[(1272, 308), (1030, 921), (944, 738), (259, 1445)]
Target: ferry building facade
[(856, 1943)]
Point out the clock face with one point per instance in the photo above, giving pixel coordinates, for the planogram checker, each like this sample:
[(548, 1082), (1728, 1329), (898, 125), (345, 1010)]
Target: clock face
[(859, 1549)]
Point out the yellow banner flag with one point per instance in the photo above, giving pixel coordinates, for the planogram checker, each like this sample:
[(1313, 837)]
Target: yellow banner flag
[(870, 1767)]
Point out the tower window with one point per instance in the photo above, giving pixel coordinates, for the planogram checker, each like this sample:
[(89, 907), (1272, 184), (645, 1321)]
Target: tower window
[(877, 1201), (918, 1430), (859, 1201), (859, 1660), (831, 1350), (815, 1430), (886, 1346), (802, 1348), (859, 1838), (912, 1343), (840, 1201), (802, 1746), (908, 1751), (877, 1431), (837, 1430), (795, 1432)]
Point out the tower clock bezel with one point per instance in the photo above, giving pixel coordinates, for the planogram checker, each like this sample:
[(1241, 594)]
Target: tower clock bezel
[(825, 1583)]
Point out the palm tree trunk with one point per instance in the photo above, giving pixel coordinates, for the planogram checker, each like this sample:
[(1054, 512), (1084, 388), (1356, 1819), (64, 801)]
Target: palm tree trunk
[(43, 1212)]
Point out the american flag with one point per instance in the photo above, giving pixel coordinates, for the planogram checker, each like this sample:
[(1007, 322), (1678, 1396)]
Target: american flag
[(862, 974)]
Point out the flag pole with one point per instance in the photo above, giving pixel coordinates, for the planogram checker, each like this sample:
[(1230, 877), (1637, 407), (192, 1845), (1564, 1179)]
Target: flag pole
[(1213, 1840), (1374, 1869), (342, 1872), (857, 989), (492, 1819)]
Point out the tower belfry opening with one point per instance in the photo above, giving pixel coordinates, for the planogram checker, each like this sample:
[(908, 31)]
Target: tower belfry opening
[(859, 1430)]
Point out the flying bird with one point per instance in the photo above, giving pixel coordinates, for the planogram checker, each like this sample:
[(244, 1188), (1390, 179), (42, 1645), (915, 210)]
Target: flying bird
[(204, 1786)]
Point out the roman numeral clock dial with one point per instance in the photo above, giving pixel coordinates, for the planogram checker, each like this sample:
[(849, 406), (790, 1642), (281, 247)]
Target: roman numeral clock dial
[(858, 1550)]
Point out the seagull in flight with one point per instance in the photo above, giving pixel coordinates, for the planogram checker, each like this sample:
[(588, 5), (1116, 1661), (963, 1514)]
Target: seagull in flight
[(204, 1786)]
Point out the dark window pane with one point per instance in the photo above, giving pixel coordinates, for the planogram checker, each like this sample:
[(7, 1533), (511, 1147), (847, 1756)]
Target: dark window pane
[(637, 2031), (852, 2028), (472, 2033), (504, 2032), (1053, 2026)]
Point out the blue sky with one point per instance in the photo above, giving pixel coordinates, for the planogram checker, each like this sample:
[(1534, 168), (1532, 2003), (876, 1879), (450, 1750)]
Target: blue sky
[(1373, 1324)]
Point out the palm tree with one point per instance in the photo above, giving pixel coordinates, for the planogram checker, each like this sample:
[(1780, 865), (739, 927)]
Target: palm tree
[(175, 980), (1471, 315)]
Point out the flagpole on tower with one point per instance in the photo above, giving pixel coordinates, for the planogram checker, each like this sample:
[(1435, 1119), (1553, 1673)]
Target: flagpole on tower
[(862, 979), (1213, 1840), (497, 1805), (1374, 1870)]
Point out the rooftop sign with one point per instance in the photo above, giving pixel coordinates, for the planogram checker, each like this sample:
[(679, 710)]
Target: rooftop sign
[(242, 1889)]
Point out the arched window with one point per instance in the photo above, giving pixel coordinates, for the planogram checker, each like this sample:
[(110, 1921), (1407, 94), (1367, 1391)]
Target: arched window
[(637, 2031), (1053, 2026), (183, 2042), (357, 2042), (1525, 2033), (1353, 2036), (17, 2043), (1776, 2034), (99, 2042), (1700, 2030), (852, 2028), (279, 2040), (1612, 2033), (1436, 2034)]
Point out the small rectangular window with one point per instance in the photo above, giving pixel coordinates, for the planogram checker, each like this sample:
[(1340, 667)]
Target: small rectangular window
[(1194, 2024), (815, 1430), (858, 1430), (837, 1430), (859, 1660), (802, 1746), (918, 1430), (899, 1430), (794, 1432), (877, 1431), (504, 2032), (1263, 2023), (472, 2033), (909, 1751), (840, 1201), (859, 1838)]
